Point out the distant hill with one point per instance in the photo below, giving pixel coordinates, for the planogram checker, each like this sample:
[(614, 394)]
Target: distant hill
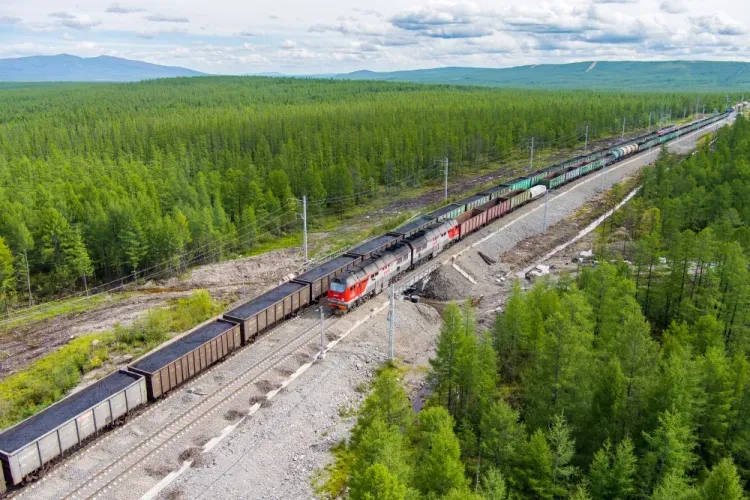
[(631, 75), (67, 68)]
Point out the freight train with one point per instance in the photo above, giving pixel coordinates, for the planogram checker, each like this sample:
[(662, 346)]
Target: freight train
[(345, 281)]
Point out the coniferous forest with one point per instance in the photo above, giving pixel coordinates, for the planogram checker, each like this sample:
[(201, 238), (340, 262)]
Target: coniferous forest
[(627, 380), (105, 182)]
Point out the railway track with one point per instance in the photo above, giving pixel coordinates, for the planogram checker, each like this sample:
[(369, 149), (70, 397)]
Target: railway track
[(151, 445), (150, 448), (144, 448), (99, 485)]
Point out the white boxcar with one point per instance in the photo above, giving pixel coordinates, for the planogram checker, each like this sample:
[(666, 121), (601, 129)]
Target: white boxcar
[(28, 445)]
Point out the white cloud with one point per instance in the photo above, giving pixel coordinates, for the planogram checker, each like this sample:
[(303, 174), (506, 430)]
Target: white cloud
[(159, 18), (333, 37), (673, 6), (718, 24), (81, 23), (116, 8), (62, 15)]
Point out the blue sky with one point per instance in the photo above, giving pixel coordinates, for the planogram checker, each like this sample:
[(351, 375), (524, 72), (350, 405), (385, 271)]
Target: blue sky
[(303, 37)]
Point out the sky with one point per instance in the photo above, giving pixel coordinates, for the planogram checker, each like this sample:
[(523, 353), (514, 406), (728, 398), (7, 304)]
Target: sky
[(335, 36)]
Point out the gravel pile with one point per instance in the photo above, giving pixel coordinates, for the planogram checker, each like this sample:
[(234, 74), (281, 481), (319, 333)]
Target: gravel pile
[(447, 284)]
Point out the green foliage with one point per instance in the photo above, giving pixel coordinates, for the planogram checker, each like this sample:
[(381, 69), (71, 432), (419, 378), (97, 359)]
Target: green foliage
[(51, 377), (723, 482), (109, 180), (7, 275), (626, 382)]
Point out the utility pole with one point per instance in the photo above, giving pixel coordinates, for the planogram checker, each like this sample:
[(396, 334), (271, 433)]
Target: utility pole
[(697, 104), (304, 225), (684, 113), (586, 142), (546, 200), (532, 154), (446, 180), (392, 321), (704, 110), (727, 102), (622, 137), (322, 354), (649, 121), (28, 278)]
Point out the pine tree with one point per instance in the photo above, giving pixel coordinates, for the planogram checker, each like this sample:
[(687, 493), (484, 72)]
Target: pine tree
[(503, 440), (562, 449), (493, 485), (612, 473), (438, 465), (387, 403), (723, 482), (670, 449), (7, 275)]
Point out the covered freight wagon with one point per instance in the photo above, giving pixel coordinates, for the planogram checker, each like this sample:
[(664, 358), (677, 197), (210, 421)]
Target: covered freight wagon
[(374, 245), (319, 278), (28, 445), (263, 312), (182, 359)]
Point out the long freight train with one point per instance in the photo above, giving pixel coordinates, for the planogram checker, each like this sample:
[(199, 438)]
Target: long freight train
[(345, 281)]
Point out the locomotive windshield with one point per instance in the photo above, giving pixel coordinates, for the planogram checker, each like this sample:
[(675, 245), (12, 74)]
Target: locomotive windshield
[(338, 287)]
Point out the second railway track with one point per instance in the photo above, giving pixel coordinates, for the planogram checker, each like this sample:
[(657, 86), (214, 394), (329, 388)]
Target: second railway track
[(148, 446)]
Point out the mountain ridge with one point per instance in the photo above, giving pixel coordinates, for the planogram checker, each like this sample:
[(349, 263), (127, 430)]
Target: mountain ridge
[(70, 68), (610, 75)]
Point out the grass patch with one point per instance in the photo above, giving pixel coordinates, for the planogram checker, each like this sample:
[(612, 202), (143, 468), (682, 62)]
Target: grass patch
[(48, 379), (331, 482)]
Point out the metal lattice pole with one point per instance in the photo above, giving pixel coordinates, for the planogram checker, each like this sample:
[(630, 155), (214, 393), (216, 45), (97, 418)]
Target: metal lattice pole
[(304, 225), (586, 141), (322, 354), (532, 154), (446, 179), (392, 322)]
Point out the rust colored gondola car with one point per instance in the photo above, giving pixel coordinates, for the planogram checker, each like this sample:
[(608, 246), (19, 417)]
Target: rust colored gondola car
[(319, 278), (269, 309), (175, 363)]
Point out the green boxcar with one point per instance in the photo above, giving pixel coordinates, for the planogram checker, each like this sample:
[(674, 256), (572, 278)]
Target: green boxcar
[(572, 174), (497, 191), (553, 182), (536, 178), (520, 183), (447, 212)]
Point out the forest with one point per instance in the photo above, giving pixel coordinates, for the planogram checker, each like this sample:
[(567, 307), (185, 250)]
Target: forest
[(627, 380), (105, 183)]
